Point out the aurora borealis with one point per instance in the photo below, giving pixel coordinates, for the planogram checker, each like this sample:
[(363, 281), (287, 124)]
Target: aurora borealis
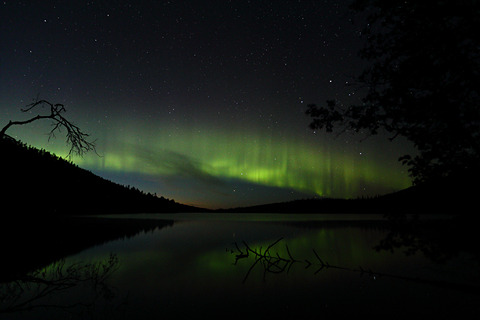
[(199, 101)]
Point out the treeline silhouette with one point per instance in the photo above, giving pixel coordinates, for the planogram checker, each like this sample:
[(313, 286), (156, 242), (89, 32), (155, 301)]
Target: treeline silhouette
[(37, 182), (453, 195)]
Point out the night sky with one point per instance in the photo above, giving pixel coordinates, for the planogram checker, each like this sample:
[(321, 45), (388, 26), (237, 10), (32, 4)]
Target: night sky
[(200, 101)]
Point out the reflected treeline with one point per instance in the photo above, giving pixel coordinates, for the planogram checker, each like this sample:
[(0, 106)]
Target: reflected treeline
[(363, 224), (29, 245), (272, 262), (46, 288), (438, 239), (34, 274)]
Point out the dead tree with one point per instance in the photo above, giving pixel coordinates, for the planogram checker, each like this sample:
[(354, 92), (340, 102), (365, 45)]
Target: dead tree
[(75, 137)]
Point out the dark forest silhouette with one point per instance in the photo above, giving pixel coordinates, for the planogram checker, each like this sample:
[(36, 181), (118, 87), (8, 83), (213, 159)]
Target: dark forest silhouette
[(448, 196), (421, 83), (38, 183)]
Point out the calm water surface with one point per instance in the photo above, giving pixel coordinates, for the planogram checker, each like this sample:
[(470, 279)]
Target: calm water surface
[(321, 266)]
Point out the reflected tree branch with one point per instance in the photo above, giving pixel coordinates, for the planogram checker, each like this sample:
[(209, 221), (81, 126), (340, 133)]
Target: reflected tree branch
[(274, 263), (30, 292)]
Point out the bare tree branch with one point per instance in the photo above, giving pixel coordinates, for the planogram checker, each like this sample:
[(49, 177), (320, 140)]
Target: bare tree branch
[(75, 137)]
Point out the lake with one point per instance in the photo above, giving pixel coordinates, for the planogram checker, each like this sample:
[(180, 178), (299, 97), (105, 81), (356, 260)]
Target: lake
[(250, 266)]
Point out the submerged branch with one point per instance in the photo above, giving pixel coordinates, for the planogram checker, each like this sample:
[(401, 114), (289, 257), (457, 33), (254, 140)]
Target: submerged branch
[(30, 291)]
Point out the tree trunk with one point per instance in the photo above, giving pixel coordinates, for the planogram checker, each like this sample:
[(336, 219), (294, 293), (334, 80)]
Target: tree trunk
[(2, 133)]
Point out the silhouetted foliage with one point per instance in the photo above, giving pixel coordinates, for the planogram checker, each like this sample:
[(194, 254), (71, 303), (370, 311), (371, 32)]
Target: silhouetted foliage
[(76, 138), (421, 83)]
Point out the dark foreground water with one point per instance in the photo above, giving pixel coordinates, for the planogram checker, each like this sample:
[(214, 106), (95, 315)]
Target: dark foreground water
[(249, 266)]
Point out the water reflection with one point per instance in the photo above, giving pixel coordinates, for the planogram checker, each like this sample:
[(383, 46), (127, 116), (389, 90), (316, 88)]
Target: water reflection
[(29, 244), (440, 240), (47, 288), (271, 261), (236, 268)]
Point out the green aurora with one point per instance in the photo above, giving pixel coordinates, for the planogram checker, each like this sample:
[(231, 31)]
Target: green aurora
[(217, 167), (209, 107)]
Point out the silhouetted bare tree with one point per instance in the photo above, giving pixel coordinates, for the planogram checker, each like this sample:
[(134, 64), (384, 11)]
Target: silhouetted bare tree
[(76, 138)]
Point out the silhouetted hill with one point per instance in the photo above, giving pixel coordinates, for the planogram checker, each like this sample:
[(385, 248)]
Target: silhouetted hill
[(450, 195), (36, 182)]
